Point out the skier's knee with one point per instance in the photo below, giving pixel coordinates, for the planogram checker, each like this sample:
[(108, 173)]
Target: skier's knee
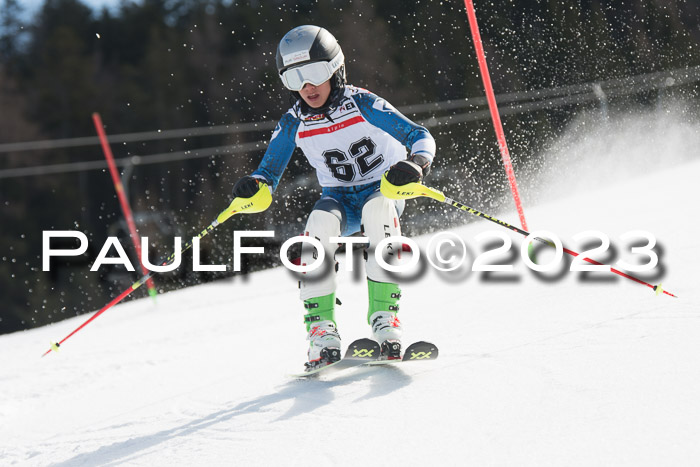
[(321, 225), (380, 220)]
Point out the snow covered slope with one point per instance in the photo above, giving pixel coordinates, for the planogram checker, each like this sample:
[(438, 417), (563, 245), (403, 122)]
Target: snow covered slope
[(531, 372)]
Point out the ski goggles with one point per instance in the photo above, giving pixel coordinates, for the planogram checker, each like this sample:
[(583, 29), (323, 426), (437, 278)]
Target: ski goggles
[(315, 73)]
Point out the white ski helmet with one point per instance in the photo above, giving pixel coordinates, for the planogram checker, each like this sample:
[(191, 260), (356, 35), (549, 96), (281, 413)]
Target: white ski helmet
[(310, 54)]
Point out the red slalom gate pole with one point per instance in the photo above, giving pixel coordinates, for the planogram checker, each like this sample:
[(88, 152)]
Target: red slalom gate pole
[(493, 108), (119, 188)]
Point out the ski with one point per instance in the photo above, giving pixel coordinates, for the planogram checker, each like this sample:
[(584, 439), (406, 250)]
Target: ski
[(358, 353), (415, 352)]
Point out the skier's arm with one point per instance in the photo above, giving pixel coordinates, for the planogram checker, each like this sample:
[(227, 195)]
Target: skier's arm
[(279, 151), (381, 114), (416, 138)]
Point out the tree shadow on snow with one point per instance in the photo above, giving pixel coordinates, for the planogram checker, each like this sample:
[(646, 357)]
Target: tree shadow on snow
[(308, 395)]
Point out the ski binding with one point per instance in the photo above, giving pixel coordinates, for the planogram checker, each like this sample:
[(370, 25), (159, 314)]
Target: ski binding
[(359, 352)]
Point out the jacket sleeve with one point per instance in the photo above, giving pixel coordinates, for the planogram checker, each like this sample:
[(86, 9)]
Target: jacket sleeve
[(381, 114), (279, 151)]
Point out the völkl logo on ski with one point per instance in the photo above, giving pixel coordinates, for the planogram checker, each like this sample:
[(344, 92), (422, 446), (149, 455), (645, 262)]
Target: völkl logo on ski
[(420, 355), (363, 353)]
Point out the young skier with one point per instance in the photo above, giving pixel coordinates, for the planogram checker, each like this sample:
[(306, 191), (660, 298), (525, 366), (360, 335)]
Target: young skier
[(351, 137)]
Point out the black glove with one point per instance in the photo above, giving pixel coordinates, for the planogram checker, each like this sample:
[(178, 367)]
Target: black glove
[(246, 187), (413, 169)]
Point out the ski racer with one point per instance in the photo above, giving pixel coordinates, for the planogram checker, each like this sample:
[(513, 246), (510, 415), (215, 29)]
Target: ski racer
[(351, 137)]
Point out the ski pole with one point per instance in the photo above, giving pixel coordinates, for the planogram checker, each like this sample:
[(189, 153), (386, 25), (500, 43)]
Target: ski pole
[(415, 190), (257, 203)]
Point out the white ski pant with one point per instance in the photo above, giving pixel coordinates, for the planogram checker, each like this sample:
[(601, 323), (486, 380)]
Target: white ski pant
[(380, 220)]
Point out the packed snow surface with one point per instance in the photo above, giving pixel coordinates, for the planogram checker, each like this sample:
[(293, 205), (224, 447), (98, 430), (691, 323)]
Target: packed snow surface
[(565, 371)]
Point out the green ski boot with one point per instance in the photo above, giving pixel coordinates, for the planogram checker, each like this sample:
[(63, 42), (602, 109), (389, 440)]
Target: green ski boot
[(386, 327)]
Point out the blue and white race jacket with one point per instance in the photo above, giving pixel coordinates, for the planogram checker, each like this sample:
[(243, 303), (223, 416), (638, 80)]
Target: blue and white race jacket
[(354, 145)]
